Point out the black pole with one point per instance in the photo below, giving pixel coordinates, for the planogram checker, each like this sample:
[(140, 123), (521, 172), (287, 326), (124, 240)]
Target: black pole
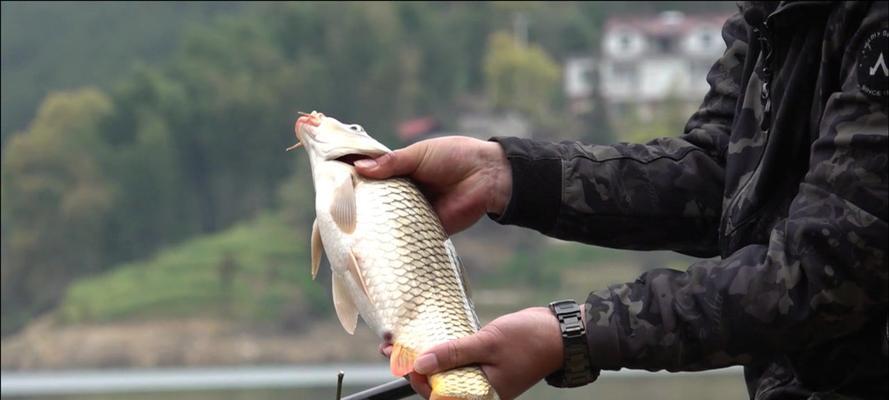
[(397, 389), (339, 385)]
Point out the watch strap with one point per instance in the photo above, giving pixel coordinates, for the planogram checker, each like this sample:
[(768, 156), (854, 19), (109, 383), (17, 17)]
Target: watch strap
[(576, 368)]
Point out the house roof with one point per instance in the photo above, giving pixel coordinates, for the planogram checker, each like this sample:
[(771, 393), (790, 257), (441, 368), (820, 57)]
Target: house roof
[(668, 23), (412, 128)]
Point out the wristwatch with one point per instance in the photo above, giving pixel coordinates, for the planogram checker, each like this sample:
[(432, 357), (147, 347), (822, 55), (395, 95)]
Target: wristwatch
[(576, 369)]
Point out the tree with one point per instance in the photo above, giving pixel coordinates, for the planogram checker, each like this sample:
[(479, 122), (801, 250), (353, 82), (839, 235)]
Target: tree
[(52, 46), (668, 118), (55, 199), (520, 77), (155, 205)]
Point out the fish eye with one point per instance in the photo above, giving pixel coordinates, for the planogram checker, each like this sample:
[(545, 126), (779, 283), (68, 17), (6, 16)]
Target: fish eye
[(356, 128)]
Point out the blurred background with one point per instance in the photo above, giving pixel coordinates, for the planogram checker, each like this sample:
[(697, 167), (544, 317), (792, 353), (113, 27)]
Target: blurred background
[(155, 235)]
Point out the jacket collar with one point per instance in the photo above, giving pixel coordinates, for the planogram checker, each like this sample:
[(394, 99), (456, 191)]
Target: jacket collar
[(757, 13), (786, 9)]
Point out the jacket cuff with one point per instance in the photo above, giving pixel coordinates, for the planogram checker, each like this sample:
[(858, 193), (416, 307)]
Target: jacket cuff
[(603, 336), (536, 184)]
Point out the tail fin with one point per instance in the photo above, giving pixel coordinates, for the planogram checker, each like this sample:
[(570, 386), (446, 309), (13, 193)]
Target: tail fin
[(401, 362), (465, 383)]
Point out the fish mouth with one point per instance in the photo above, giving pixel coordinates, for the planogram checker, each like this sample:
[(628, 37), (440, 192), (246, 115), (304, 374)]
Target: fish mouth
[(313, 119), (351, 158)]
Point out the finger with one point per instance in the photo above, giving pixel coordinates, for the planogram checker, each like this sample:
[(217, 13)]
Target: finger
[(385, 349), (455, 353), (397, 163), (457, 212), (420, 385)]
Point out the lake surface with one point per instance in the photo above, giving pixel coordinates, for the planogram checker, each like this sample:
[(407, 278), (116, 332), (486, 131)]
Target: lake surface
[(319, 382)]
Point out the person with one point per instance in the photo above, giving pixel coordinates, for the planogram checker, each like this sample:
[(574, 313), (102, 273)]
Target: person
[(781, 172)]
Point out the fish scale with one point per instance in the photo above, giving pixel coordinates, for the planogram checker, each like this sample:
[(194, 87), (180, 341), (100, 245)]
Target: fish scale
[(419, 295), (391, 260)]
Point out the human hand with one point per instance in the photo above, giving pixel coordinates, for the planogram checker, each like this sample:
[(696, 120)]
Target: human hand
[(463, 177), (515, 351)]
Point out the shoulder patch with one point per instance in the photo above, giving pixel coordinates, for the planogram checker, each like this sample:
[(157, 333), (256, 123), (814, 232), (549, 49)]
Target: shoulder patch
[(873, 65)]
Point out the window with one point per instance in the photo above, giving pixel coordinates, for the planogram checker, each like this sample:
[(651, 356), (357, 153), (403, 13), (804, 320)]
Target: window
[(664, 44), (706, 40), (588, 76), (625, 42)]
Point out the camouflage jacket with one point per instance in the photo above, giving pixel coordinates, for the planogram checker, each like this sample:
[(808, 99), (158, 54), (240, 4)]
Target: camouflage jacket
[(782, 174)]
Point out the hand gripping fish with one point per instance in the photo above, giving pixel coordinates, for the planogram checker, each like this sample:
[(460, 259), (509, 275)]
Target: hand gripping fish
[(390, 259)]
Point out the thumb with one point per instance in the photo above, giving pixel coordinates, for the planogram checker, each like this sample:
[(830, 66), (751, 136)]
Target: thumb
[(397, 163), (472, 349)]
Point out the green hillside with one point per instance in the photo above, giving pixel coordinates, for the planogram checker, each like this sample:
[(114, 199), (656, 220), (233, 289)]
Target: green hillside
[(256, 272)]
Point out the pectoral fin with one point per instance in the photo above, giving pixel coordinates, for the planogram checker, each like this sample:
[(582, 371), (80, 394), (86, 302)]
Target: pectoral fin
[(345, 307), (317, 249), (355, 270), (342, 209)]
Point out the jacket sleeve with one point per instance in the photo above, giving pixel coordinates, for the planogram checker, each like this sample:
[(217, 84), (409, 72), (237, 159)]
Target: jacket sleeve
[(821, 276), (666, 194)]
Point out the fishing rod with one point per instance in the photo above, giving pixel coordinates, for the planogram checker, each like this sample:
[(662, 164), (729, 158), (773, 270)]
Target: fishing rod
[(394, 390)]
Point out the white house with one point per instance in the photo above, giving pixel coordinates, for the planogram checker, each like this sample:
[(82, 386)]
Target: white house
[(646, 60)]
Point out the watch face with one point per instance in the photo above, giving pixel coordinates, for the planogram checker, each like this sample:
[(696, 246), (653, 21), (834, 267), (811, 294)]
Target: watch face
[(564, 306)]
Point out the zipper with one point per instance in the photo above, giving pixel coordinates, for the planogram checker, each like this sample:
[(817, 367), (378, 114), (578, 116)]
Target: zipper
[(763, 35), (886, 339)]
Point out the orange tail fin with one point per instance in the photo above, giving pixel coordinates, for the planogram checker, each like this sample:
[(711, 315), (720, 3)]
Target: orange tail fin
[(401, 362), (435, 383)]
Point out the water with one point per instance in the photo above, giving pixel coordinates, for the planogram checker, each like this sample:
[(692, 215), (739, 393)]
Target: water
[(189, 379), (318, 382)]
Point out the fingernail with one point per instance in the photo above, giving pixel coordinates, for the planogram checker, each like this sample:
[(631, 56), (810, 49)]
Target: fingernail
[(426, 364), (366, 163)]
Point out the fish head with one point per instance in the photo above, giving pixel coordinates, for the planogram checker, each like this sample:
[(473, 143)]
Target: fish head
[(327, 139)]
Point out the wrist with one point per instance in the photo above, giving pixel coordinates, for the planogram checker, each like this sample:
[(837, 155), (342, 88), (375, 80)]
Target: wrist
[(500, 178), (552, 351)]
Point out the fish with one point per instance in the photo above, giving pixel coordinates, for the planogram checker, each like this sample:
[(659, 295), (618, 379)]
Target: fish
[(391, 261)]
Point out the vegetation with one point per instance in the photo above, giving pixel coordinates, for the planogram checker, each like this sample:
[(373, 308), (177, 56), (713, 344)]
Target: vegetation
[(256, 272), (179, 131), (520, 77), (55, 46)]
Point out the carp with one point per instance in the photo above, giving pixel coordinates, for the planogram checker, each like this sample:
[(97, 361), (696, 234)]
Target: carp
[(390, 259)]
